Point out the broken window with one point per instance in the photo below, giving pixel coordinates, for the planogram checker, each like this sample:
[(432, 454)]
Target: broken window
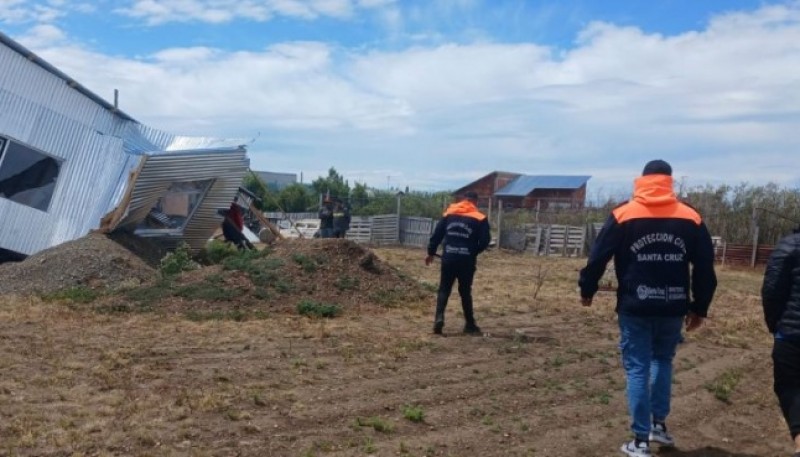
[(174, 208), (27, 176)]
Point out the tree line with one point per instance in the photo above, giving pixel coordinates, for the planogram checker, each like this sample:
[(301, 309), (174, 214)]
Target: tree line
[(731, 212)]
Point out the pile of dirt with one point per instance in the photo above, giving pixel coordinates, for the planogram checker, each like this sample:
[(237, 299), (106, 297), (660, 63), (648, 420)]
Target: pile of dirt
[(317, 272), (93, 261)]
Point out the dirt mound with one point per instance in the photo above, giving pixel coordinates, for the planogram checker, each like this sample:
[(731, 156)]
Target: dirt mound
[(93, 261), (318, 273)]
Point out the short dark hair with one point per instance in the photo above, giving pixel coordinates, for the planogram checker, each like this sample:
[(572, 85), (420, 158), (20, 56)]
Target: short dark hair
[(471, 195), (657, 167)]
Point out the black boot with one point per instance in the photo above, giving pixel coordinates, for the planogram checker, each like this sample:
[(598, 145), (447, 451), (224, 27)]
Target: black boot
[(470, 326), (438, 321)]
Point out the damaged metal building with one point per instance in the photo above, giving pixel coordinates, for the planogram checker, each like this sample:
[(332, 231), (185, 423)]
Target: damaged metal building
[(71, 163)]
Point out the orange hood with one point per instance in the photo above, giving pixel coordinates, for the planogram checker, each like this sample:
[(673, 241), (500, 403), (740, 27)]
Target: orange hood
[(654, 190), (464, 208), (653, 197)]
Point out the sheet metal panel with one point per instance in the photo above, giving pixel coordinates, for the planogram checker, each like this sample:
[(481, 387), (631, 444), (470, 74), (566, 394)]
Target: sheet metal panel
[(225, 167), (45, 109), (525, 184)]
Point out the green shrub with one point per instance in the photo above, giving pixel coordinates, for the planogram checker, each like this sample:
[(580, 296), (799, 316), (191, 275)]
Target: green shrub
[(217, 251), (149, 294), (313, 309), (378, 424), (308, 264), (723, 386), (414, 413), (177, 261)]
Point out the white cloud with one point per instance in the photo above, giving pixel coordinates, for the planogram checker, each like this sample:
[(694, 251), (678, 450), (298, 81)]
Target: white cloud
[(719, 102), (24, 11), (156, 12)]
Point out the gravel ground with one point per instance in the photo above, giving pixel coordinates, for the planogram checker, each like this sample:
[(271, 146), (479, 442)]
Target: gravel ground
[(93, 261)]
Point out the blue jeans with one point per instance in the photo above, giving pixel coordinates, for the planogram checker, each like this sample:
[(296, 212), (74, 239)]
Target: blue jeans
[(648, 346)]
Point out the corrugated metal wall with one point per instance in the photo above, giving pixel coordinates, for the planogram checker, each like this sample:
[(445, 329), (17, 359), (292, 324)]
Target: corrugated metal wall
[(99, 149)]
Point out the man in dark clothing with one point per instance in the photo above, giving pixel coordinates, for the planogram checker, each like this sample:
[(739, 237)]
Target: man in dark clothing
[(780, 296), (341, 220), (464, 233), (654, 239), (233, 227), (326, 219)]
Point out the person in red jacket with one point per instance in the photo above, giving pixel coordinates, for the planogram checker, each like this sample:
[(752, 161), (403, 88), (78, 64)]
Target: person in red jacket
[(233, 227), (664, 263)]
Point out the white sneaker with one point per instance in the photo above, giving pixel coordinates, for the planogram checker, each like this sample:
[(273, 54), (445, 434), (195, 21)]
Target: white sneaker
[(636, 448), (658, 433)]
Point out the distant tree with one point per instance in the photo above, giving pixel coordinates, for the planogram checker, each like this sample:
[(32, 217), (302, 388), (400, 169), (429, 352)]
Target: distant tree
[(333, 184), (297, 198), (268, 197)]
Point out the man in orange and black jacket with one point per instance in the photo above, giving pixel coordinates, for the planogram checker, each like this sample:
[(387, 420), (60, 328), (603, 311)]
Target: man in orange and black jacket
[(664, 263), (464, 233)]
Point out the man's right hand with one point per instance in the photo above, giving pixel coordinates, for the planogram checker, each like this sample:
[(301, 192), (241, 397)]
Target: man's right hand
[(429, 260), (586, 301), (693, 321)]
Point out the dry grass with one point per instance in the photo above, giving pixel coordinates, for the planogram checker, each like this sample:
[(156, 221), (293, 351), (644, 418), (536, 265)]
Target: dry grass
[(74, 382)]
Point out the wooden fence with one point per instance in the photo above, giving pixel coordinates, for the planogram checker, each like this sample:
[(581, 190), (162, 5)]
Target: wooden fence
[(386, 229), (546, 239), (743, 254)]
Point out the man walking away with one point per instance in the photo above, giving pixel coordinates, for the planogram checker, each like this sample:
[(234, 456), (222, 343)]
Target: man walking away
[(464, 233), (654, 239), (341, 220), (326, 218), (780, 296)]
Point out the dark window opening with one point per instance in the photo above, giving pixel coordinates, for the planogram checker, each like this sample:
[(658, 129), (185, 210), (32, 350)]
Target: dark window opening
[(174, 209), (27, 176)]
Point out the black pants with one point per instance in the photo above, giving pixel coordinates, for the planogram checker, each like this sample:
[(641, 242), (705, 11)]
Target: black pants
[(786, 360), (464, 272)]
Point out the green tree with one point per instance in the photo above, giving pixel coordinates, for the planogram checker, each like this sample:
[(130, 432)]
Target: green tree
[(333, 184), (297, 198)]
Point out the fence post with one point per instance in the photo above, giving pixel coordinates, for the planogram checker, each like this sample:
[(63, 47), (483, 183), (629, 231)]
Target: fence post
[(499, 221), (755, 239)]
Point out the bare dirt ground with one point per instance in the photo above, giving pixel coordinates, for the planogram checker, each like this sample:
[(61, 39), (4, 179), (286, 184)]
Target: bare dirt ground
[(545, 380)]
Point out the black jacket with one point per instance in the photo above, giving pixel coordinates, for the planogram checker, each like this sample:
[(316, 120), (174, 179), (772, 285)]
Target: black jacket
[(464, 232), (654, 240), (780, 293)]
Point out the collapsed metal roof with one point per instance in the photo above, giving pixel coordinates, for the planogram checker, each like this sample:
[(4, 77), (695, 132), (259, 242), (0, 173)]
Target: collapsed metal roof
[(525, 184), (111, 167)]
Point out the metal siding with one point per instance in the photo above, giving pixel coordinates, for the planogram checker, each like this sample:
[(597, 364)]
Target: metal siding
[(525, 184), (99, 150), (226, 168)]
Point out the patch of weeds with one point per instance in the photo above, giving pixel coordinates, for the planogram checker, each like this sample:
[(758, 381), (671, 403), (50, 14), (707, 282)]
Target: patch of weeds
[(414, 413), (307, 264), (487, 420), (604, 398), (151, 293), (124, 308), (314, 309), (177, 261), (723, 386), (386, 297), (346, 283), (203, 316), (378, 424), (283, 286), (430, 287), (208, 291), (557, 361), (369, 446), (261, 293), (76, 294), (217, 251)]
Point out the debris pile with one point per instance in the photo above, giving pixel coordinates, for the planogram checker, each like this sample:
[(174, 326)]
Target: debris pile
[(93, 261)]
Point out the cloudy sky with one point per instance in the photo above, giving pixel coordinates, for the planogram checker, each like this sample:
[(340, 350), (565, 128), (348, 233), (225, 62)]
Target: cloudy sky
[(432, 94)]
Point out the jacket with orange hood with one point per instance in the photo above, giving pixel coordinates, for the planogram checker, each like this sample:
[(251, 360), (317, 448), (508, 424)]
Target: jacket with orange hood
[(463, 230), (654, 238)]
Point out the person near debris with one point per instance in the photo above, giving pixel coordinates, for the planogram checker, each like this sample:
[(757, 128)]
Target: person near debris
[(664, 264), (780, 297), (341, 220), (233, 227), (464, 233), (326, 218)]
